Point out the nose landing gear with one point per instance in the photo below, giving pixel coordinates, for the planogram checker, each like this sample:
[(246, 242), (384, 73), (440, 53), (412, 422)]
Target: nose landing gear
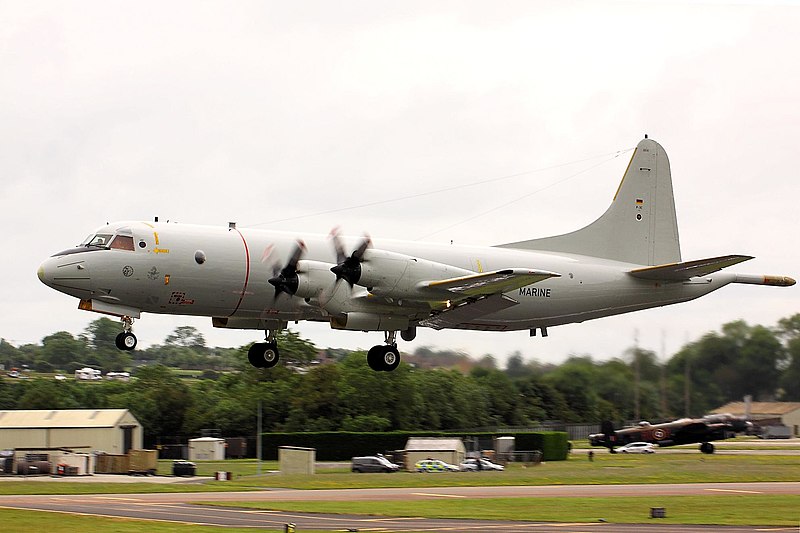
[(126, 340), (384, 357)]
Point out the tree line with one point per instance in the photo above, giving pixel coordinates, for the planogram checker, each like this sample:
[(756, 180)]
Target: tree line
[(432, 390)]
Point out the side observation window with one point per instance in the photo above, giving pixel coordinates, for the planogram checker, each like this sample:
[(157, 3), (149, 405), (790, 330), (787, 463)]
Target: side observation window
[(122, 242)]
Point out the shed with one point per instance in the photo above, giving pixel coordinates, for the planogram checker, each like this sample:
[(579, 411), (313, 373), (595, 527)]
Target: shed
[(108, 430), (449, 450), (297, 460), (766, 413), (206, 449)]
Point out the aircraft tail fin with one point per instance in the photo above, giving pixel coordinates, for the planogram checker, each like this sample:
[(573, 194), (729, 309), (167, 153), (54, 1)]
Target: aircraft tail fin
[(639, 227)]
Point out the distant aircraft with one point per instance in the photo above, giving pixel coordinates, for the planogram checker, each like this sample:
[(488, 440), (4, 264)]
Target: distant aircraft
[(627, 260), (683, 431)]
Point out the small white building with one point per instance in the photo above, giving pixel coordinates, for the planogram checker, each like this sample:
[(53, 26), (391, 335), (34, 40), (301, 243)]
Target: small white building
[(110, 430), (207, 449), (449, 450)]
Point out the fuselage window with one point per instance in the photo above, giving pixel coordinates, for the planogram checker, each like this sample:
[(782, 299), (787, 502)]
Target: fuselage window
[(122, 242)]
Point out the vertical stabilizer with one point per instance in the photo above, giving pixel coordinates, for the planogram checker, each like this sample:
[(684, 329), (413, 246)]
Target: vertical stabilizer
[(639, 227)]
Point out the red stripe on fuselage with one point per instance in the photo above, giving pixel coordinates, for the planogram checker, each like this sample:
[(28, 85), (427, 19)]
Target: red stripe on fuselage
[(246, 274)]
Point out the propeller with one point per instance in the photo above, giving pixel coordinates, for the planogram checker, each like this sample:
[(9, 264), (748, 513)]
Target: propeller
[(286, 280), (348, 268)]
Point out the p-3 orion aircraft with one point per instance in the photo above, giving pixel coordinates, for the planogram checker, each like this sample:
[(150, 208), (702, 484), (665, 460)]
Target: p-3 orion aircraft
[(627, 260), (683, 431)]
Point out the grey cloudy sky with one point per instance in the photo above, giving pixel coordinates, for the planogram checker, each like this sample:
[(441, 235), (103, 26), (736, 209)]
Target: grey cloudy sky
[(265, 112)]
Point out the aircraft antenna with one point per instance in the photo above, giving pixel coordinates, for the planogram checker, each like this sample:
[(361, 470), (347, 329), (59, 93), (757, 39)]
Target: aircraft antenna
[(525, 196), (607, 157)]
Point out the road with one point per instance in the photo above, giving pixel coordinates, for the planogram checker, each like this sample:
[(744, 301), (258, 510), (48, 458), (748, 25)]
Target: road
[(178, 508)]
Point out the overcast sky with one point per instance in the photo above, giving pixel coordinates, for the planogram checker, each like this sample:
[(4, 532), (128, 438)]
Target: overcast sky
[(266, 112)]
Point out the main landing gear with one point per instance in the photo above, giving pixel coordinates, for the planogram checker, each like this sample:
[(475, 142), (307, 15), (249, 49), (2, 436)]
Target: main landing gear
[(126, 340), (384, 357), (381, 358), (264, 354), (707, 447)]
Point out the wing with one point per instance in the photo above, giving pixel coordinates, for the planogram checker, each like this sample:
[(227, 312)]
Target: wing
[(487, 283), (689, 269), (468, 310), (478, 294)]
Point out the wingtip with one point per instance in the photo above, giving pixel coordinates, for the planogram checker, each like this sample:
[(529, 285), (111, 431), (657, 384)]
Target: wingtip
[(773, 281), (779, 281)]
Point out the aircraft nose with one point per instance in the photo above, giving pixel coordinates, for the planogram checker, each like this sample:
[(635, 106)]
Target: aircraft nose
[(67, 274), (45, 274)]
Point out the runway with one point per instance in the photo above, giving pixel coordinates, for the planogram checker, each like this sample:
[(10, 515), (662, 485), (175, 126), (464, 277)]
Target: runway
[(178, 509)]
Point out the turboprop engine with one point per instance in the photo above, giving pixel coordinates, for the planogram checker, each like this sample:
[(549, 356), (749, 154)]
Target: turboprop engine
[(394, 275), (314, 278)]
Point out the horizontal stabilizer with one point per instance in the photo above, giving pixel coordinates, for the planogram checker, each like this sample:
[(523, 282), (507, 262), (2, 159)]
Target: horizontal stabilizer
[(689, 269), (486, 283)]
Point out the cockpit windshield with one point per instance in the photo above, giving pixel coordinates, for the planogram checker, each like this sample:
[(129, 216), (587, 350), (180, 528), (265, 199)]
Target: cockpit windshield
[(108, 241), (107, 238), (100, 240)]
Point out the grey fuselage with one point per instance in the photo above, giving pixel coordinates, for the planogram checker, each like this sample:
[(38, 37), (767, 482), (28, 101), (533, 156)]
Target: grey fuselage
[(223, 273)]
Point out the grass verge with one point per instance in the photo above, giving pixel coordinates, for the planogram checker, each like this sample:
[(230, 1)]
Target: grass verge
[(605, 469), (759, 510), (15, 521)]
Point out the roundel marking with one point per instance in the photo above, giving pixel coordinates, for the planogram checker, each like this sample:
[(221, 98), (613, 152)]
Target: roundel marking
[(659, 433)]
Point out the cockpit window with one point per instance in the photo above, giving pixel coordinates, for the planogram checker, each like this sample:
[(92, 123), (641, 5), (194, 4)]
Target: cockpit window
[(122, 242), (99, 240)]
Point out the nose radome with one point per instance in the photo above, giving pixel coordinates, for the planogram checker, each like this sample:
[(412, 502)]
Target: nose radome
[(66, 274), (43, 275)]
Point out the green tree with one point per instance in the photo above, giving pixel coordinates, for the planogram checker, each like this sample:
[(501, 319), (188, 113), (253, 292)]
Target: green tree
[(48, 394), (188, 337), (103, 352), (158, 399), (789, 332), (575, 380), (60, 348)]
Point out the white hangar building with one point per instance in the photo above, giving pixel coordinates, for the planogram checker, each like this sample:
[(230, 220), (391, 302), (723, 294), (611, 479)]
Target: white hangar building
[(113, 431)]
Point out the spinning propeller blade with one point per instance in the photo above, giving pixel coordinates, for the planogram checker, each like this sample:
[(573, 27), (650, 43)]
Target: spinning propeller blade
[(349, 268), (286, 280)]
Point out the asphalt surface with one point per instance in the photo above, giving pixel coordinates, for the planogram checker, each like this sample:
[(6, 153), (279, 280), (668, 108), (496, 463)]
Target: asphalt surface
[(178, 509)]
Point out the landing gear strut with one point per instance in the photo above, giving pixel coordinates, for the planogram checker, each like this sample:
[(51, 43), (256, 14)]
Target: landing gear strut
[(384, 357), (126, 340), (264, 354)]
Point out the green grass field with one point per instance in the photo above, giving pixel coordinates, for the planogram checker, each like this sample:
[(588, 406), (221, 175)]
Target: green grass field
[(605, 469), (14, 521), (761, 510)]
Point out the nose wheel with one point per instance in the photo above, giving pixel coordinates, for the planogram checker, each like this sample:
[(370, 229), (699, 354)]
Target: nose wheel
[(126, 340)]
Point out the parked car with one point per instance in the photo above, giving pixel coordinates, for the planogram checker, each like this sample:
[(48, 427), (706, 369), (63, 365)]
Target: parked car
[(434, 465), (471, 465), (373, 463), (638, 447)]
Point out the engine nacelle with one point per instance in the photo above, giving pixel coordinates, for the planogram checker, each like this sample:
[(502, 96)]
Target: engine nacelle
[(369, 322), (313, 277), (394, 275)]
